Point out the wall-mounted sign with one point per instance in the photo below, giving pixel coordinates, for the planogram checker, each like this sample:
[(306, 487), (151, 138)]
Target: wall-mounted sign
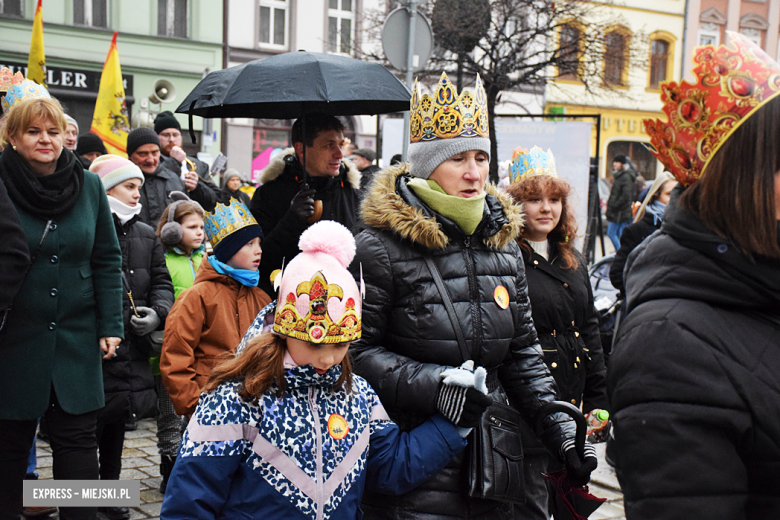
[(77, 80)]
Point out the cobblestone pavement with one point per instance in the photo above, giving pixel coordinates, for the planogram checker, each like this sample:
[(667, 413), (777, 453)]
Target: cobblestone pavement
[(140, 461)]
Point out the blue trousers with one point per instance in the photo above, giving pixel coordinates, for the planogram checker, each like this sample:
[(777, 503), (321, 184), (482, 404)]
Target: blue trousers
[(614, 230)]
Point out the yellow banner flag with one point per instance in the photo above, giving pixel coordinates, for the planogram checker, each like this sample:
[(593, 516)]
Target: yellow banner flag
[(110, 121), (36, 62)]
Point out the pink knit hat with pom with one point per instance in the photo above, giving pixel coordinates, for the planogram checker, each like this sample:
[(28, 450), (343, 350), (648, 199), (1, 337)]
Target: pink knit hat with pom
[(319, 301), (113, 170)]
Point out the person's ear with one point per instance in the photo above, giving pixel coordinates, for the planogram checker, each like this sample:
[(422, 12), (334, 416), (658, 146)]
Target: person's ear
[(298, 150)]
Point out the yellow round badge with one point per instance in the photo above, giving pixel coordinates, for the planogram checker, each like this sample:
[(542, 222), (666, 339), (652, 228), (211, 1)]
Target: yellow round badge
[(337, 426), (501, 296)]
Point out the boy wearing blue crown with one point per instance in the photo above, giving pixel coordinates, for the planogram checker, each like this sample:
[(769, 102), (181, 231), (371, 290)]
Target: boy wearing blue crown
[(210, 318)]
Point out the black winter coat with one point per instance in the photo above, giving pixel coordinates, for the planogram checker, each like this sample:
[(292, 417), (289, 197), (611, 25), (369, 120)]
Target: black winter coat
[(205, 182), (127, 378), (408, 339), (14, 253), (632, 236), (693, 378), (155, 194), (568, 328), (621, 196), (281, 180), (226, 194)]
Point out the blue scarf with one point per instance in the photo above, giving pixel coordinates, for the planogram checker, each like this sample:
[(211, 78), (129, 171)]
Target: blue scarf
[(242, 276), (656, 209)]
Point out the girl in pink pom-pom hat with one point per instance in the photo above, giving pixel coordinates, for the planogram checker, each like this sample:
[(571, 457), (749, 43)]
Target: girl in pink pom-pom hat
[(285, 428)]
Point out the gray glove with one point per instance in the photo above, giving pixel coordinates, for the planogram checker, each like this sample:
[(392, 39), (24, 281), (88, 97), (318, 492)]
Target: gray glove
[(148, 321), (463, 396)]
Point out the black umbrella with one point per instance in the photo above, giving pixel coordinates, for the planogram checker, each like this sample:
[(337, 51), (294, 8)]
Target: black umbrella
[(290, 85), (569, 502)]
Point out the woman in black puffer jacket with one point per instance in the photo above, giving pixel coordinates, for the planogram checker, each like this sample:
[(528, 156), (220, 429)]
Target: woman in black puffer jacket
[(469, 230), (693, 378)]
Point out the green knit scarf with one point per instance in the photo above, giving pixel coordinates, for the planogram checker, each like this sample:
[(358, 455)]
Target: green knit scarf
[(466, 213)]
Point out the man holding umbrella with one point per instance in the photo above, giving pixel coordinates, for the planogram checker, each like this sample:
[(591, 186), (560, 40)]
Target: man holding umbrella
[(284, 205)]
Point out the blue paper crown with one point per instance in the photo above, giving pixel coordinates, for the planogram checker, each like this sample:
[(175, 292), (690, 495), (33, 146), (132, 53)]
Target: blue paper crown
[(25, 90), (226, 220), (529, 164)]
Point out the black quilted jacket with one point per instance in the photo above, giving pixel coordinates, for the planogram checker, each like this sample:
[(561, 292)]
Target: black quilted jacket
[(693, 378), (408, 339)]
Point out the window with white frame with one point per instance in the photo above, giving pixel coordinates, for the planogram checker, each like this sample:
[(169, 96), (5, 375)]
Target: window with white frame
[(273, 23), (93, 13), (751, 34), (341, 25), (172, 18), (12, 7), (709, 34)]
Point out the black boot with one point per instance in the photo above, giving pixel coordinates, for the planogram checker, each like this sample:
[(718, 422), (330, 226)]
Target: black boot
[(115, 513), (166, 466)]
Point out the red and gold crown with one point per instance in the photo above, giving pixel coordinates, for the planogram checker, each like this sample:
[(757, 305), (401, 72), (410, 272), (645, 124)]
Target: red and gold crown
[(447, 115), (733, 81)]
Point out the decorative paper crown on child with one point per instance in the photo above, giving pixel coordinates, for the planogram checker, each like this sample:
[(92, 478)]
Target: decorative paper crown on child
[(18, 88), (229, 228), (446, 124), (527, 164), (732, 83), (319, 301)]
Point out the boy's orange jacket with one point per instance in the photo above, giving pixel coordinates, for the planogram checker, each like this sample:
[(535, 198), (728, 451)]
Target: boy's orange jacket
[(208, 320)]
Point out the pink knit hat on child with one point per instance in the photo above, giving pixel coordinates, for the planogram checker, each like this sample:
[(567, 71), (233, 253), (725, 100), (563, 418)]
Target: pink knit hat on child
[(319, 301), (114, 170)]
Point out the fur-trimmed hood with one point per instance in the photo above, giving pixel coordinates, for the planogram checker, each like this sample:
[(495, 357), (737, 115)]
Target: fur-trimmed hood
[(384, 208), (279, 163)]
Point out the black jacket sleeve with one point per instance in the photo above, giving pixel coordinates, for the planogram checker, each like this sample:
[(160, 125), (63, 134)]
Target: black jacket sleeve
[(595, 394), (14, 253), (400, 381), (630, 238), (160, 296), (525, 376)]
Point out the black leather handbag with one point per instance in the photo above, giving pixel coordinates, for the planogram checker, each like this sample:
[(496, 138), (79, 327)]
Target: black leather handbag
[(495, 449)]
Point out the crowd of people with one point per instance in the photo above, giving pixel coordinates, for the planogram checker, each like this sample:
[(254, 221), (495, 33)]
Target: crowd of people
[(357, 341)]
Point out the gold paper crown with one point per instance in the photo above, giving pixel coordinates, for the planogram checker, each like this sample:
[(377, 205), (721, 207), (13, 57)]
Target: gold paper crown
[(318, 326), (17, 88), (225, 220), (447, 115), (527, 164), (732, 83)]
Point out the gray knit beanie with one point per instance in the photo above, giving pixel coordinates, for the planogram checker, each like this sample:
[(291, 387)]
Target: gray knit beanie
[(424, 156)]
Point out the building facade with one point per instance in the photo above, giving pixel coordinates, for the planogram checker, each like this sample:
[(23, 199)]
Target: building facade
[(661, 24), (708, 21), (173, 40)]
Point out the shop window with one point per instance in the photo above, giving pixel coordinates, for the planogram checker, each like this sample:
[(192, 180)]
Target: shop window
[(93, 13), (273, 23), (615, 46), (659, 62), (172, 18), (11, 7), (569, 46), (340, 26)]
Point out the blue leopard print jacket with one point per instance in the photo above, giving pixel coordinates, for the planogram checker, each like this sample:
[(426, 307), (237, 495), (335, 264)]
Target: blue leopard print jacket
[(307, 455)]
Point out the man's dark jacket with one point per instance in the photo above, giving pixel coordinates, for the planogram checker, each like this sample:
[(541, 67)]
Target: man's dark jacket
[(408, 339), (281, 180), (204, 179), (621, 196), (155, 194), (693, 378)]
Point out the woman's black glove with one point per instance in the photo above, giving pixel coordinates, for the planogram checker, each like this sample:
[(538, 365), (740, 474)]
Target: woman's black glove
[(579, 468), (302, 205)]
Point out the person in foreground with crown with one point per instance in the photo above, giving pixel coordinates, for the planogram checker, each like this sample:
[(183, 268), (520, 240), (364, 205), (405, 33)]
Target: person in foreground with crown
[(693, 377), (285, 430), (561, 298), (68, 312), (209, 319), (438, 215)]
